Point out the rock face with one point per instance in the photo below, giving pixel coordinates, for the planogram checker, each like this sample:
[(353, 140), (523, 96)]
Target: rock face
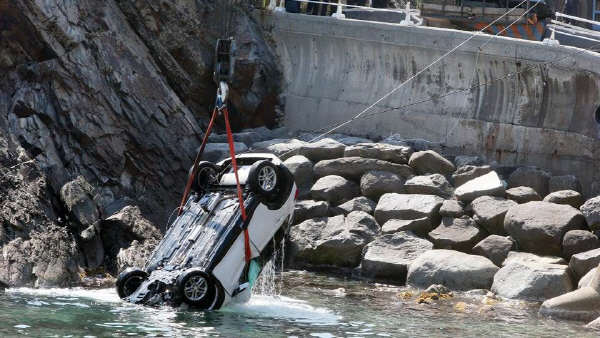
[(533, 282), (421, 227), (380, 151), (467, 173), (353, 168), (569, 197), (388, 257), (136, 255), (577, 241), (356, 204), (485, 185), (323, 149), (532, 177), (334, 241), (495, 248), (430, 162), (523, 195), (455, 270), (582, 263), (375, 183), (567, 182), (408, 207), (591, 212), (434, 184), (310, 209), (302, 169), (459, 234), (452, 209), (539, 227), (334, 189), (489, 212)]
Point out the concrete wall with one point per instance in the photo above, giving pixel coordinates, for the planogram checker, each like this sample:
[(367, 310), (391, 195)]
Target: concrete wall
[(334, 69)]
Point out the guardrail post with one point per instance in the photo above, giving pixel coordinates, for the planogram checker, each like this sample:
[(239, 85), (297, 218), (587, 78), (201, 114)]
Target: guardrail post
[(339, 14), (281, 7), (407, 21)]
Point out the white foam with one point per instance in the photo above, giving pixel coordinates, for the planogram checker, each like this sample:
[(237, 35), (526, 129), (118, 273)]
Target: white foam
[(102, 295), (285, 308)]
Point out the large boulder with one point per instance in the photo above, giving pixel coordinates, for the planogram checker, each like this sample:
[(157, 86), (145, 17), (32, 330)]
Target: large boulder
[(124, 227), (331, 242), (523, 195), (356, 204), (485, 185), (577, 241), (587, 279), (323, 149), (583, 262), (526, 257), (302, 169), (388, 257), (353, 168), (246, 137), (380, 151), (136, 255), (495, 248), (591, 212), (434, 184), (214, 152), (452, 209), (283, 148), (334, 189), (539, 227), (533, 282), (408, 207), (374, 184), (569, 197), (581, 304), (567, 182), (461, 161), (430, 162), (308, 209), (532, 177), (489, 212), (455, 270), (459, 234), (467, 173), (421, 226)]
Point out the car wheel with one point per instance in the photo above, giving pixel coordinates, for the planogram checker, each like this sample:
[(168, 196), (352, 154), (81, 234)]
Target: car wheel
[(205, 175), (264, 178), (129, 281), (195, 288)]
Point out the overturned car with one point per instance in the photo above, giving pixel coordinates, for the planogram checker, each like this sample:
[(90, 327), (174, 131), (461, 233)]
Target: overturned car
[(214, 251)]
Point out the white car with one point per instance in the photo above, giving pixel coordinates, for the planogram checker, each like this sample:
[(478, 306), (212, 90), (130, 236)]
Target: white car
[(202, 259)]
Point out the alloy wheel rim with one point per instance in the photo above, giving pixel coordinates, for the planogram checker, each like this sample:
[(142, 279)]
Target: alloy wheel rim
[(195, 288), (267, 178)]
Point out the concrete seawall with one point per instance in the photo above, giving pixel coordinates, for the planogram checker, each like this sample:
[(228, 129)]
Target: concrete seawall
[(334, 69)]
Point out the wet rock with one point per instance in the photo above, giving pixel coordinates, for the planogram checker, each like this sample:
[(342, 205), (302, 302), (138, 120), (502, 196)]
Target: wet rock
[(569, 197), (334, 189), (136, 255), (362, 203), (455, 270), (594, 325), (526, 257), (489, 213), (323, 149), (495, 248), (459, 234), (283, 148), (388, 257), (214, 152), (408, 207), (591, 212), (430, 162), (583, 262), (353, 168), (374, 184), (380, 151), (578, 241), (532, 177), (587, 279), (310, 209), (467, 173), (567, 182), (452, 209), (581, 304), (523, 194), (3, 286), (421, 226), (532, 282), (539, 227), (434, 184), (333, 241), (460, 161), (302, 169), (485, 185)]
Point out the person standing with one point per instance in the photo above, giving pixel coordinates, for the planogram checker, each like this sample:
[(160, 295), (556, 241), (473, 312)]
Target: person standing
[(324, 7)]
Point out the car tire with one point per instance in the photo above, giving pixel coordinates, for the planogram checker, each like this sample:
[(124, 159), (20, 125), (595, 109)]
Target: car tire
[(195, 287), (130, 280), (205, 175), (264, 178)]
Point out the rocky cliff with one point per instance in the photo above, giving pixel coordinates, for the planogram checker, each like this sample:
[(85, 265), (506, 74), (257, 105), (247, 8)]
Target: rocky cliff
[(103, 105)]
